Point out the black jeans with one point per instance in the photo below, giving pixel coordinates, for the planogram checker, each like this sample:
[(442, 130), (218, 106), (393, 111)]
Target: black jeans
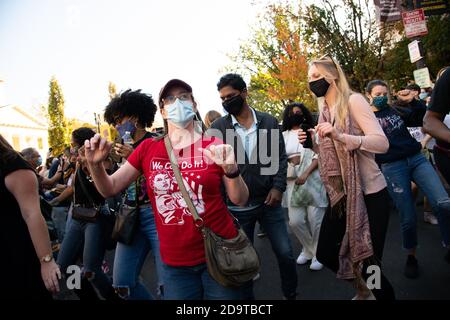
[(442, 163), (273, 221), (333, 230)]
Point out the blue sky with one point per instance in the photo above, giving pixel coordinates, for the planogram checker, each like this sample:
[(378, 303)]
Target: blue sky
[(136, 44)]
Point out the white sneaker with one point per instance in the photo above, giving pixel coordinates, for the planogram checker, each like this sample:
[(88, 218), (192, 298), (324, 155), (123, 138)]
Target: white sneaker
[(428, 217), (315, 265), (302, 259)]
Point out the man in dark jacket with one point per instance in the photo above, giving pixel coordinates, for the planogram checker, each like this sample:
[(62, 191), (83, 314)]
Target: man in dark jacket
[(435, 123), (261, 157)]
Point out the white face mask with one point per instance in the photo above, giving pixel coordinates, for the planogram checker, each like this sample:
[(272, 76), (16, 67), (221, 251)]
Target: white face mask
[(423, 96), (180, 113)]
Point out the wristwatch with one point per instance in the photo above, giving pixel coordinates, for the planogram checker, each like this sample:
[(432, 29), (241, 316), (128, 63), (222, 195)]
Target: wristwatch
[(47, 258)]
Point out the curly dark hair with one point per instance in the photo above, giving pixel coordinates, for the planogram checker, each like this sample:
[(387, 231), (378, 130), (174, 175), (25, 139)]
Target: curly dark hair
[(287, 113), (82, 134), (131, 104)]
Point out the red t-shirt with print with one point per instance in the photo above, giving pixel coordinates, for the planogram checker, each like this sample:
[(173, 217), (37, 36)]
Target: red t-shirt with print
[(181, 243)]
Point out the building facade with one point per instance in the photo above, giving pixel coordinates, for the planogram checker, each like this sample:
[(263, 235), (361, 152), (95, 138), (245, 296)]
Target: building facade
[(22, 130)]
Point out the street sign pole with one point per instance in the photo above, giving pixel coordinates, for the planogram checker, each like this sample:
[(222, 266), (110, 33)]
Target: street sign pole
[(415, 27)]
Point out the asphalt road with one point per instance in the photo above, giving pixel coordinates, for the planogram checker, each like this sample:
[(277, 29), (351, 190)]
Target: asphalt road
[(433, 282)]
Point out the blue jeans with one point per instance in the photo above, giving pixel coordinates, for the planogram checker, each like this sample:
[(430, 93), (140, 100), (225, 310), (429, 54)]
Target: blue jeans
[(272, 220), (89, 237), (399, 175), (129, 259), (195, 283), (59, 217)]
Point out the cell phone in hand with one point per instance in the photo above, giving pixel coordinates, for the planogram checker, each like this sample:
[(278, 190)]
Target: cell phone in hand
[(116, 158), (308, 142)]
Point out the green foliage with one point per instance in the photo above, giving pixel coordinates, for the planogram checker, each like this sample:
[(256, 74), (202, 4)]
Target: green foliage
[(355, 42), (437, 43), (57, 132)]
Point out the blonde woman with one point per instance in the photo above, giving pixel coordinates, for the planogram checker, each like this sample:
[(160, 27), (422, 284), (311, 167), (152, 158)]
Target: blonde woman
[(346, 140)]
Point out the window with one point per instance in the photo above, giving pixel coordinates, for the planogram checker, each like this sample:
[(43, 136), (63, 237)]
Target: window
[(16, 142)]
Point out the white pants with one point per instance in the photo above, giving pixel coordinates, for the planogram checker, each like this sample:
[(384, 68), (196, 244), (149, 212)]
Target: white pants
[(305, 222)]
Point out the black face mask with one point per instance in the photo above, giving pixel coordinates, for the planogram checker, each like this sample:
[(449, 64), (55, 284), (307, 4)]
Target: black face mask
[(297, 119), (319, 87), (234, 105)]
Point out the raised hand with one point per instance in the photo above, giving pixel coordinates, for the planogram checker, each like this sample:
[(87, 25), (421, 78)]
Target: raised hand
[(96, 150), (326, 129), (303, 134), (222, 155), (123, 150)]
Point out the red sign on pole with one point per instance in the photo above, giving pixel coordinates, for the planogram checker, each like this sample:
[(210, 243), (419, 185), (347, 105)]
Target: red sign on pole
[(414, 22)]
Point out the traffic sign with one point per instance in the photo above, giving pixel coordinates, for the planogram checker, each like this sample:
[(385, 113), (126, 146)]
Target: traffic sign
[(414, 22), (414, 51), (422, 77)]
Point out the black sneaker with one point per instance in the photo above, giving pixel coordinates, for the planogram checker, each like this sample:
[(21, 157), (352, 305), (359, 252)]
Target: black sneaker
[(412, 267)]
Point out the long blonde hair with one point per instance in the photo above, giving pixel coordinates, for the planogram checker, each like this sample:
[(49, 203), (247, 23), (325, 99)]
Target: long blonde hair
[(332, 71)]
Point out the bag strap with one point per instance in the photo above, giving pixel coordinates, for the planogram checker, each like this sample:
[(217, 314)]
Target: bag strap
[(83, 188), (176, 170), (136, 200)]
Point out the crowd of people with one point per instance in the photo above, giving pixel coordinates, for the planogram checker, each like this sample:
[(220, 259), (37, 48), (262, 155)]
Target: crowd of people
[(334, 175)]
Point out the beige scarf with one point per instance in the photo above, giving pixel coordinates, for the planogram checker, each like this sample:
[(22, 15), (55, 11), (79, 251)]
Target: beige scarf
[(340, 174)]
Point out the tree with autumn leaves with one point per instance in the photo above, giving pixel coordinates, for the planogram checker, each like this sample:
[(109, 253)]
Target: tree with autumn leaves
[(276, 60)]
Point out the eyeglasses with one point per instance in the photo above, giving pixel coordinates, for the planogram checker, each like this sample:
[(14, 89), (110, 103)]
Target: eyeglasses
[(117, 120), (182, 97)]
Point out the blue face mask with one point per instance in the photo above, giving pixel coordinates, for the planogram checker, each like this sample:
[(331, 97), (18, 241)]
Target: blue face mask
[(423, 96), (127, 126), (39, 161), (180, 113), (380, 102)]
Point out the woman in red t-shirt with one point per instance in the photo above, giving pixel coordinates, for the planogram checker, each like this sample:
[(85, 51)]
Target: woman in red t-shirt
[(205, 162)]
